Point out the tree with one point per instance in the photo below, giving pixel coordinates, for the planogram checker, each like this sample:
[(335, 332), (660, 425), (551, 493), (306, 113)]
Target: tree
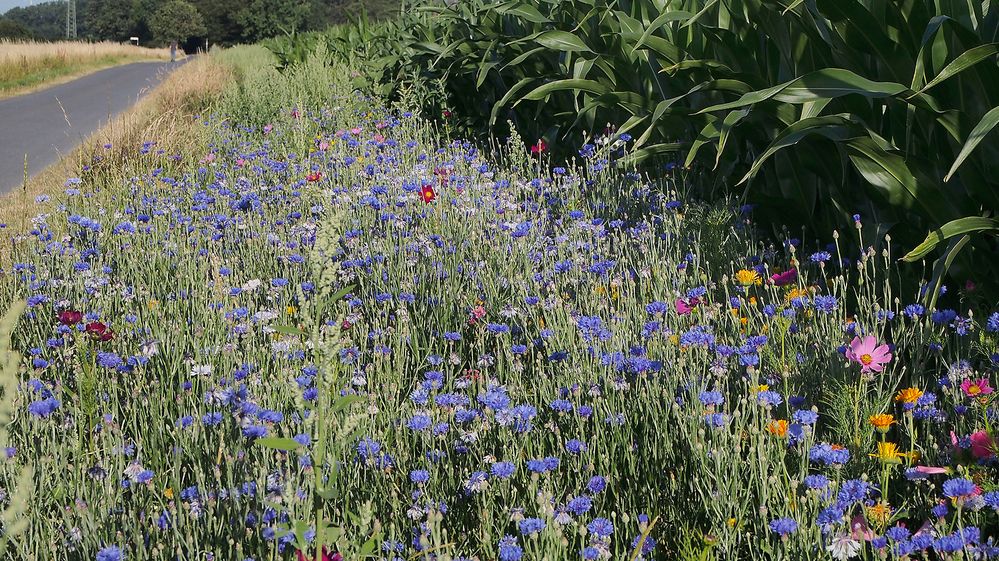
[(221, 20), (47, 20), (176, 20), (266, 18), (112, 20), (10, 29)]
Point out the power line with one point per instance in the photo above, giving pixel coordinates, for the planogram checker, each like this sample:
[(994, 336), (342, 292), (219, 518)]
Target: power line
[(70, 19)]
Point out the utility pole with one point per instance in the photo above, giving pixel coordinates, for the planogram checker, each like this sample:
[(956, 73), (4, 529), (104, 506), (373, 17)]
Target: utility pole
[(70, 19)]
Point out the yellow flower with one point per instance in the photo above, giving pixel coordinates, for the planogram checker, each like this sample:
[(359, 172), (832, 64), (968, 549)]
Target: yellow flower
[(168, 493), (879, 513), (795, 293), (888, 453), (747, 277), (761, 388), (291, 310), (731, 522), (882, 421), (778, 428), (909, 395), (152, 304), (674, 339)]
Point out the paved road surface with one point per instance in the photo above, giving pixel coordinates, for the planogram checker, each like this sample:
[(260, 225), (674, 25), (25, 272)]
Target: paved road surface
[(48, 124)]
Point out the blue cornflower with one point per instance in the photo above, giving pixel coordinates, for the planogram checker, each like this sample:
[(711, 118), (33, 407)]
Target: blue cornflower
[(255, 431), (852, 491), (575, 446), (826, 304), (43, 408), (561, 405), (711, 398), (992, 324), (596, 484), (110, 553), (419, 422), (503, 470), (816, 481), (580, 505), (769, 397), (824, 453), (959, 489), (530, 526), (783, 526), (805, 416), (601, 527), (419, 476), (509, 550)]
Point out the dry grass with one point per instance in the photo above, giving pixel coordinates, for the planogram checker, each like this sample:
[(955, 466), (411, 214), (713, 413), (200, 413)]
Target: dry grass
[(165, 116), (27, 64)]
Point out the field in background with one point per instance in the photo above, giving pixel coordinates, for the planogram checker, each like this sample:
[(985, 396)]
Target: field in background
[(27, 64), (165, 115)]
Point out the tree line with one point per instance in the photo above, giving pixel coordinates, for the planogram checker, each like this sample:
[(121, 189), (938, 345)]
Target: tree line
[(219, 22)]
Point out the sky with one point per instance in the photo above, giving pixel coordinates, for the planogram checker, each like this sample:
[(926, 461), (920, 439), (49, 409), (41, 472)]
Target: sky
[(8, 4)]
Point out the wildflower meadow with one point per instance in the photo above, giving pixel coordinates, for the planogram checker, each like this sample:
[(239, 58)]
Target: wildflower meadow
[(334, 329)]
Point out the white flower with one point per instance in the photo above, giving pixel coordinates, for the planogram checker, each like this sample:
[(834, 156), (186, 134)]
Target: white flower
[(133, 470), (201, 369), (843, 547)]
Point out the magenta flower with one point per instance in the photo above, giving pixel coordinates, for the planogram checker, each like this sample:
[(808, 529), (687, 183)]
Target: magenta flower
[(976, 388), (982, 445), (785, 278), (870, 355), (684, 307)]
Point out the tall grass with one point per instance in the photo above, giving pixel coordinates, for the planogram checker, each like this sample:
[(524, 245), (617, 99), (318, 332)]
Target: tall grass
[(26, 64), (813, 110), (541, 363)]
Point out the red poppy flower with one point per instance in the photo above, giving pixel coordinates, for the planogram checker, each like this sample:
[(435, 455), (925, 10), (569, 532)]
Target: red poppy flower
[(540, 147), (70, 317), (446, 114), (99, 331), (428, 194), (326, 556), (313, 177)]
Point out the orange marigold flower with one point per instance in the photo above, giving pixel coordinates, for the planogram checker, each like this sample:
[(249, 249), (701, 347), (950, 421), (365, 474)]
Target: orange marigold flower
[(778, 428), (882, 421), (909, 395)]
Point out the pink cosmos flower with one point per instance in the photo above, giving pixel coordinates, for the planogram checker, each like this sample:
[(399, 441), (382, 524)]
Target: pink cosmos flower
[(684, 307), (870, 355), (785, 278), (982, 445), (976, 388), (931, 470)]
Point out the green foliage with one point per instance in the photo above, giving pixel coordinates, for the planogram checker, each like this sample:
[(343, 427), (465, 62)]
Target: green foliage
[(267, 18), (176, 20), (816, 109), (114, 20), (47, 20), (10, 29), (12, 518)]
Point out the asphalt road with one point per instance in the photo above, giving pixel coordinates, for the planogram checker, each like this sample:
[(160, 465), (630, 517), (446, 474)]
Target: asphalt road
[(46, 125)]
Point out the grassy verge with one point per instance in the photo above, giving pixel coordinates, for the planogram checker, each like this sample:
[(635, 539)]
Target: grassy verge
[(26, 66), (165, 117)]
